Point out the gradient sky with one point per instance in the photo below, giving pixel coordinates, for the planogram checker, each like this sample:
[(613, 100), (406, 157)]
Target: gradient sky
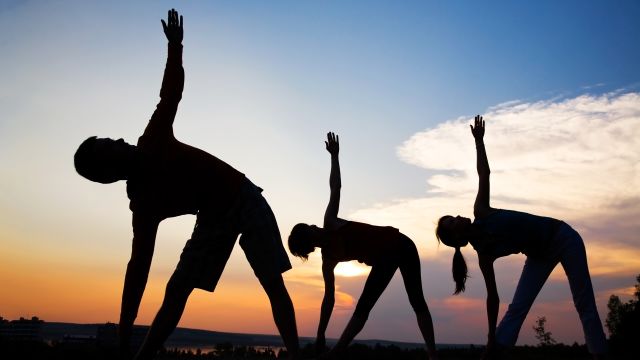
[(399, 81)]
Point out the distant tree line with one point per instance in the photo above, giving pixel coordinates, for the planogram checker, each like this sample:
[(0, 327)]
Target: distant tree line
[(23, 350), (623, 322)]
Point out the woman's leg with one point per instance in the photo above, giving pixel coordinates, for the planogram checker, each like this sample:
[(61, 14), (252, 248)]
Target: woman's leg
[(378, 279), (574, 262), (410, 269), (534, 275)]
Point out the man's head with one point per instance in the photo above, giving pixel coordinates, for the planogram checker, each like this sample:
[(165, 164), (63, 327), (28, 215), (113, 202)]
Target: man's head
[(104, 160)]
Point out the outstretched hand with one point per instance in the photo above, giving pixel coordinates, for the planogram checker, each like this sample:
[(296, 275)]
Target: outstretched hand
[(478, 128), (333, 143), (173, 30)]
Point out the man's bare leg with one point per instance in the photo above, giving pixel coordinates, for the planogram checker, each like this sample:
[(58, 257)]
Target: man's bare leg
[(283, 314), (166, 320)]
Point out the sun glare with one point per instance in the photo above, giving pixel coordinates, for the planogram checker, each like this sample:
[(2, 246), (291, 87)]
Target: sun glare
[(350, 269)]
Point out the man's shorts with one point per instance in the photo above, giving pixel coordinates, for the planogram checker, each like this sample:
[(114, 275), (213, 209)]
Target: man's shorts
[(205, 255)]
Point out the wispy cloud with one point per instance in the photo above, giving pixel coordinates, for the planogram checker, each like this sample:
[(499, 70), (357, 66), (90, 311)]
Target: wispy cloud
[(576, 159)]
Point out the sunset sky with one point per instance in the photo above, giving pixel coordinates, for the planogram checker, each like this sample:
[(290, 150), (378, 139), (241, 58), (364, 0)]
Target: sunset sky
[(557, 81)]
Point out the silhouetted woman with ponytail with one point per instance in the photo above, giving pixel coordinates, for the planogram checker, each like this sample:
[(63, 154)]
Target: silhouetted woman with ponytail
[(385, 249), (545, 241)]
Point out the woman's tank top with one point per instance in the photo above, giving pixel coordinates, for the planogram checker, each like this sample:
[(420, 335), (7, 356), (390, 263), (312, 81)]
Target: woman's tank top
[(366, 243), (510, 232)]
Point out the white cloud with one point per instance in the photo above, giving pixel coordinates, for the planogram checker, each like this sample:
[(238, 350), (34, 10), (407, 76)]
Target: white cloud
[(576, 159)]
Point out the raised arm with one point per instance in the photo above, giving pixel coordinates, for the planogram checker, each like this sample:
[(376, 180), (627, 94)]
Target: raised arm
[(161, 122), (493, 300), (144, 236), (327, 303), (331, 214), (481, 206)]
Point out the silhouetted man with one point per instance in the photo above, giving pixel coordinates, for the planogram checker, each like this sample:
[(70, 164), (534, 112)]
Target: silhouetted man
[(167, 178)]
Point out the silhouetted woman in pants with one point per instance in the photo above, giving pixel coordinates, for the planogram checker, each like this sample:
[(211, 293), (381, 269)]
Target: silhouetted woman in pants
[(545, 241)]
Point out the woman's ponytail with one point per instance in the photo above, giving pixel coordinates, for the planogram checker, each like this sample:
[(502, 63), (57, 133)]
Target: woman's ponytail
[(459, 270)]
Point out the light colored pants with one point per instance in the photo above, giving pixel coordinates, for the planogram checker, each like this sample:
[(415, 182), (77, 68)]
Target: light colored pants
[(568, 249)]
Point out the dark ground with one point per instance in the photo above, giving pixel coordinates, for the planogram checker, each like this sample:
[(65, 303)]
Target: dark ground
[(66, 351)]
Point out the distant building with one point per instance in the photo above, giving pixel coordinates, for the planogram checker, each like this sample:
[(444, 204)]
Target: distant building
[(78, 341), (22, 330), (4, 325)]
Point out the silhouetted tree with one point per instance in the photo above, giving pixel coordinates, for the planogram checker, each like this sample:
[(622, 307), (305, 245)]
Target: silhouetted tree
[(544, 337), (623, 322), (224, 349)]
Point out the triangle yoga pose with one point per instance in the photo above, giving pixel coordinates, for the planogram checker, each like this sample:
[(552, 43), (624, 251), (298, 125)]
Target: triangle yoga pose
[(167, 178), (385, 249), (545, 241)]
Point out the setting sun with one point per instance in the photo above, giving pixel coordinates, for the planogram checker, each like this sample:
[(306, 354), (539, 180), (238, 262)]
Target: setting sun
[(351, 269)]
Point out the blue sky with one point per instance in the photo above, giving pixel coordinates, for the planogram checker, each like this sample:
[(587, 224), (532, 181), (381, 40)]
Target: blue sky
[(265, 80)]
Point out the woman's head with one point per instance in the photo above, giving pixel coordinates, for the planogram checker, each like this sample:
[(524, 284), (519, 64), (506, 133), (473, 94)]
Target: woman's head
[(453, 232), (303, 240)]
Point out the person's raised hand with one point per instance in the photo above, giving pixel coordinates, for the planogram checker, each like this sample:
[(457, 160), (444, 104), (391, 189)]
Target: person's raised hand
[(477, 130), (333, 143), (173, 27)]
